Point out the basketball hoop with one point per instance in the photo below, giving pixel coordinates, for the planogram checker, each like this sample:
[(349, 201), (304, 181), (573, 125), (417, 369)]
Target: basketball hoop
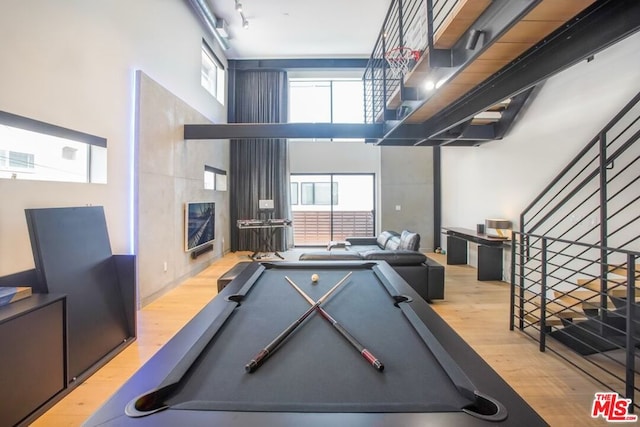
[(399, 60)]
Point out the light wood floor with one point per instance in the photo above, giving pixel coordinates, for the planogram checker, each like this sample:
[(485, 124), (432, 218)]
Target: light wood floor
[(478, 311)]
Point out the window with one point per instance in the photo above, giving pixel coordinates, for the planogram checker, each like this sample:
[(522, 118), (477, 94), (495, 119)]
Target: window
[(213, 74), (33, 150), (318, 219), (21, 160), (326, 101), (294, 193), (215, 179), (319, 193), (209, 179)]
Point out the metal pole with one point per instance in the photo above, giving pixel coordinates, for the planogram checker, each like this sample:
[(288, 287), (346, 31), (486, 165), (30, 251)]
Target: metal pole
[(512, 295), (604, 267), (543, 296), (630, 341)]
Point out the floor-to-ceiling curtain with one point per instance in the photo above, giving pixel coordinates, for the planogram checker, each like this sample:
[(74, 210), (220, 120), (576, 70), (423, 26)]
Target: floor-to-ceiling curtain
[(259, 168)]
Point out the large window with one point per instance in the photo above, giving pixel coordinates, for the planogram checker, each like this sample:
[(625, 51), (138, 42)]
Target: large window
[(326, 101), (33, 150), (213, 74), (332, 207)]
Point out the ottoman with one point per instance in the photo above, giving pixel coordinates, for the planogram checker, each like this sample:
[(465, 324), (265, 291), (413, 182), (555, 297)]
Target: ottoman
[(227, 277)]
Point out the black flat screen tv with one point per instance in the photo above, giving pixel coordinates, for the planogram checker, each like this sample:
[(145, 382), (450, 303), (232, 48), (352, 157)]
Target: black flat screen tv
[(199, 224)]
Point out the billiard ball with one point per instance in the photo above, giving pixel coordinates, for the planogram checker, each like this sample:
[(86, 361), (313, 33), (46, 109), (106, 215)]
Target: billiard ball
[(315, 278)]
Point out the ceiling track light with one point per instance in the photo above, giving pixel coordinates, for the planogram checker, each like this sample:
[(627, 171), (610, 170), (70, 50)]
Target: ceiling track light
[(245, 21)]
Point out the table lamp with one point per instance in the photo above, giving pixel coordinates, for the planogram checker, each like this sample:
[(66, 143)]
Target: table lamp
[(501, 228)]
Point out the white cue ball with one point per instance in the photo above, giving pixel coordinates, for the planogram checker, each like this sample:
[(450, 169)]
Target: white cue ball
[(315, 278)]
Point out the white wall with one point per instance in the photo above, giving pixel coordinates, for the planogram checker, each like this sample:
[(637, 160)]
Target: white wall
[(501, 178), (71, 63)]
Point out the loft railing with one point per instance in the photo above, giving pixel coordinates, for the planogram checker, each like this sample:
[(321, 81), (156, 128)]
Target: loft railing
[(575, 260), (408, 23)]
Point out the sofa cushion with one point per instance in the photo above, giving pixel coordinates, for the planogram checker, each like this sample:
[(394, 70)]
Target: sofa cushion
[(383, 237), (362, 248), (409, 241), (393, 243), (395, 257)]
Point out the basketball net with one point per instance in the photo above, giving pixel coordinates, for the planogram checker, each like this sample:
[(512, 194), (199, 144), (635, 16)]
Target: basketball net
[(399, 59)]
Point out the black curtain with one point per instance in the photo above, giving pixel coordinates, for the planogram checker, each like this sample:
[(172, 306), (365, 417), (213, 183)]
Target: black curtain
[(259, 168)]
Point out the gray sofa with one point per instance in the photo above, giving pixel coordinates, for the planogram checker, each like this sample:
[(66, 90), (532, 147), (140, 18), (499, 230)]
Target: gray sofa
[(401, 252)]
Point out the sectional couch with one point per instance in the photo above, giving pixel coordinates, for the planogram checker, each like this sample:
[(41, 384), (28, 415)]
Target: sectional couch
[(401, 252)]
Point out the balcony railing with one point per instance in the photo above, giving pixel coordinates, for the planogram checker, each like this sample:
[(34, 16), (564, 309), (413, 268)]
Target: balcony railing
[(312, 228)]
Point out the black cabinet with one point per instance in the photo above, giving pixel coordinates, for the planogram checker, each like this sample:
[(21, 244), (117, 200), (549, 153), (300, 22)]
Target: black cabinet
[(33, 359)]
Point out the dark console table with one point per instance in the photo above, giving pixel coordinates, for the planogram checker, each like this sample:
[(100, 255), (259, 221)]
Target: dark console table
[(489, 251)]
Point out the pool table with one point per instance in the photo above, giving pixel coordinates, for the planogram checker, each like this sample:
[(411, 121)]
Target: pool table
[(315, 376)]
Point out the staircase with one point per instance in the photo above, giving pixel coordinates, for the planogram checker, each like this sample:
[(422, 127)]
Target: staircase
[(575, 264)]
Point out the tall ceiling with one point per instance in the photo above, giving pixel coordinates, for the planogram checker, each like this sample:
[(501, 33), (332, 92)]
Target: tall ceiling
[(522, 43), (302, 29)]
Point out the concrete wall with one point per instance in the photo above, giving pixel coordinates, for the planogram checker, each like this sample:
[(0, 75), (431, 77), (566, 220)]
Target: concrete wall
[(170, 174), (407, 191), (72, 64)]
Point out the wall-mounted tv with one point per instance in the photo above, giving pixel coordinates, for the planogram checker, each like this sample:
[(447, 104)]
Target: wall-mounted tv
[(199, 224)]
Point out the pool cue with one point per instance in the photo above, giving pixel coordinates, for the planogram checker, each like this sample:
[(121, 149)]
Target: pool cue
[(259, 358), (352, 340)]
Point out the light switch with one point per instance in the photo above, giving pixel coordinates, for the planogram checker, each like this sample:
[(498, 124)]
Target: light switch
[(398, 207)]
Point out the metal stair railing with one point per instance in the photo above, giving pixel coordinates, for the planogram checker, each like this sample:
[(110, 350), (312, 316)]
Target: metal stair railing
[(574, 265), (583, 169), (598, 339)]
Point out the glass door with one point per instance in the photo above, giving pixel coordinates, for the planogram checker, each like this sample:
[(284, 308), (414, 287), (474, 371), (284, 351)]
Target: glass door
[(330, 207)]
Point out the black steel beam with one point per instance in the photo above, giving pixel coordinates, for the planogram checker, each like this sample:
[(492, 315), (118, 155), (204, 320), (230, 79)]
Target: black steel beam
[(283, 130), (293, 63), (437, 197), (600, 26), (472, 132)]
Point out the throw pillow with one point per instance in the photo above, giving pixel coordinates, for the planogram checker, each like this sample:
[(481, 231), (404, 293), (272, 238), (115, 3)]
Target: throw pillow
[(409, 241)]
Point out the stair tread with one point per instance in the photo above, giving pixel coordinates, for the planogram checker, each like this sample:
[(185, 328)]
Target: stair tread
[(616, 287), (535, 319), (560, 310), (621, 269)]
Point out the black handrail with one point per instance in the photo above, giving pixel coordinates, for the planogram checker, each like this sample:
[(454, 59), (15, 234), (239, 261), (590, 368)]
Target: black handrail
[(577, 158), (596, 172)]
